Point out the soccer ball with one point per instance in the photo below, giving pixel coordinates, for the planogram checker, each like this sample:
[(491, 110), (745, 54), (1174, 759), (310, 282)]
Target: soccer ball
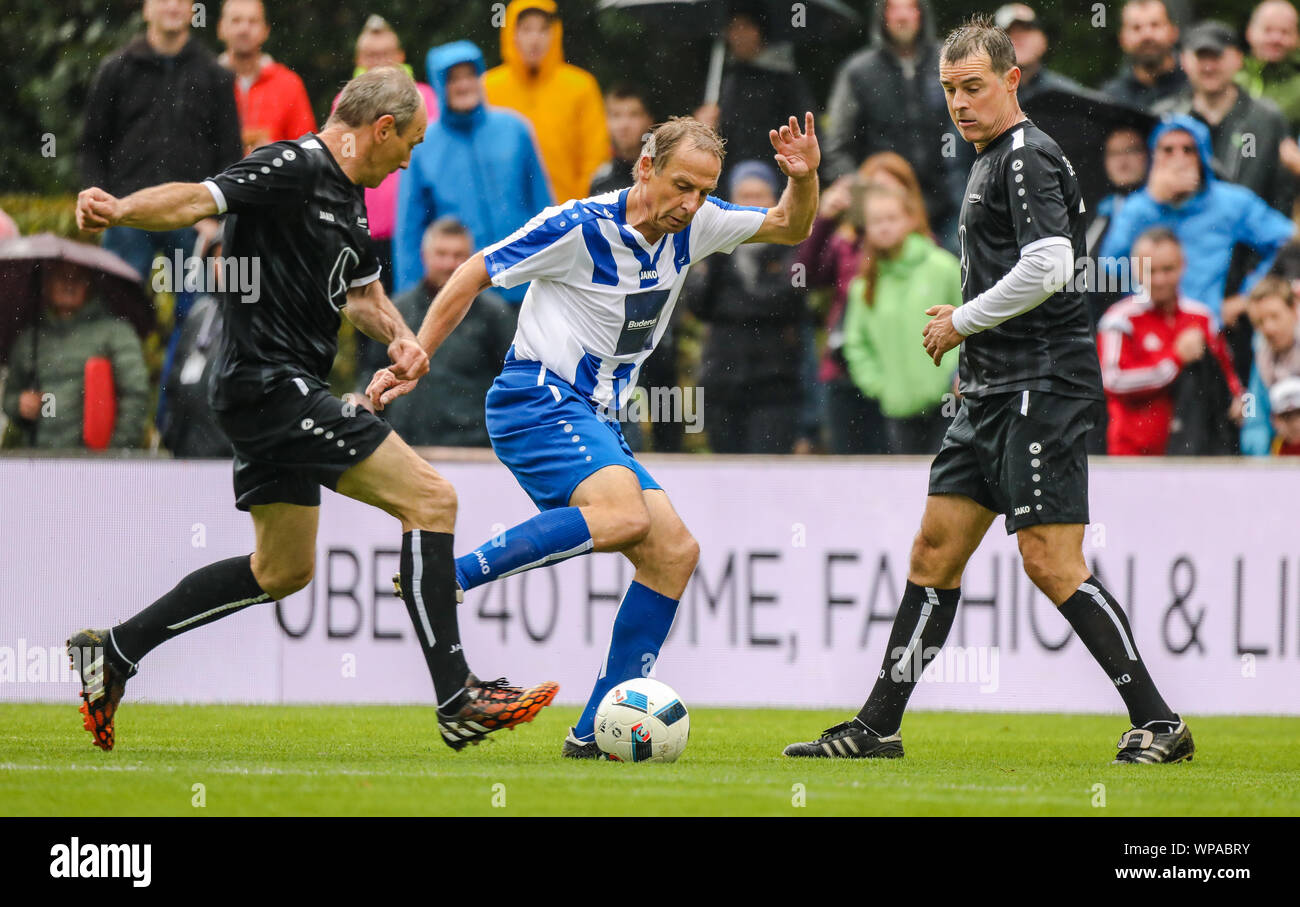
[(642, 720)]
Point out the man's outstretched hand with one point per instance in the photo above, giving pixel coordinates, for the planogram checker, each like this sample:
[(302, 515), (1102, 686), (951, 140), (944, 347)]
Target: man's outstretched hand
[(797, 153)]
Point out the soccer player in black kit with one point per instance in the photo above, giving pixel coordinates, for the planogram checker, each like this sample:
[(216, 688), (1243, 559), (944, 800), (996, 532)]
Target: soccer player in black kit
[(1030, 382), (296, 212)]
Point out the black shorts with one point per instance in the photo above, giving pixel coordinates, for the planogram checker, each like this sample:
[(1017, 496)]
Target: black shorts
[(295, 438), (1022, 454)]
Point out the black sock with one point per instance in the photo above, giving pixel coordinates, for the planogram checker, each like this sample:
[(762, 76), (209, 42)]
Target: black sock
[(428, 571), (924, 618), (1100, 622), (209, 593)]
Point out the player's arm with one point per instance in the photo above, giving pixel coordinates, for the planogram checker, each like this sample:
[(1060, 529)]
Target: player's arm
[(373, 313), (168, 206), (445, 312), (798, 155), (1042, 229), (452, 302)]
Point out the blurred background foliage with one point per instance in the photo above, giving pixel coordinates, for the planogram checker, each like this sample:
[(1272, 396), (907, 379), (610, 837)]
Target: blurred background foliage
[(52, 48)]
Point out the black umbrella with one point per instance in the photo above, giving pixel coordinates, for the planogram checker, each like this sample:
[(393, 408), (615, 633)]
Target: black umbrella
[(1080, 120)]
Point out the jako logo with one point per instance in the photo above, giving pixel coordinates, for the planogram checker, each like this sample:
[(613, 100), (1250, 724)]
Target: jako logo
[(102, 861)]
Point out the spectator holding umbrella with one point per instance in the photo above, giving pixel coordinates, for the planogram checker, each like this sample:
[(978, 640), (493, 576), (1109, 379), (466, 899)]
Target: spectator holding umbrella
[(755, 82), (77, 377)]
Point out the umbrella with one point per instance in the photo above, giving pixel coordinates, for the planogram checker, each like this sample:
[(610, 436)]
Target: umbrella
[(1080, 120), (688, 18), (112, 281)]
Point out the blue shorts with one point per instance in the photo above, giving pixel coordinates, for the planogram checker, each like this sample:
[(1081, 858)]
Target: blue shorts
[(551, 437)]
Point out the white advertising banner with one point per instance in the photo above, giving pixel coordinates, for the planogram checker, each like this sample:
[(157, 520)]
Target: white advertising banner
[(803, 563)]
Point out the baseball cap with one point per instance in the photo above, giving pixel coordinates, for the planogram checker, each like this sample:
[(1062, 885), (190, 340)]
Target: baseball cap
[(1210, 35), (1010, 14), (1284, 397)]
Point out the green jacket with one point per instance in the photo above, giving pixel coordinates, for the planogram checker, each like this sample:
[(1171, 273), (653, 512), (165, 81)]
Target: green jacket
[(882, 342), (62, 347), (1279, 82)]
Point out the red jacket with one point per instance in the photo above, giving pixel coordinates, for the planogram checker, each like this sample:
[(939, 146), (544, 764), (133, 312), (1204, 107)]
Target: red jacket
[(1138, 364), (274, 108)]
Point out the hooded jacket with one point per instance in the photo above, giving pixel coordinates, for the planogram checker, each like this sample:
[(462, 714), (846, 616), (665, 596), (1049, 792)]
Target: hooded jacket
[(1209, 224), (876, 104), (62, 347), (562, 102), (153, 119), (480, 166), (1261, 170)]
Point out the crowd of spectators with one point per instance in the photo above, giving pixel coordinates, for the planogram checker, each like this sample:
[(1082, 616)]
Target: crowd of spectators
[(814, 348)]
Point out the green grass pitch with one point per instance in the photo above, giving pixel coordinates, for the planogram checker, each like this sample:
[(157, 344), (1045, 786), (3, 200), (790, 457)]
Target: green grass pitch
[(388, 760)]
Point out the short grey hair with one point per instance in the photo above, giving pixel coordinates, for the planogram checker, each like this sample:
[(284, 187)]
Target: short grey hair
[(447, 225), (677, 132), (376, 92), (979, 33)]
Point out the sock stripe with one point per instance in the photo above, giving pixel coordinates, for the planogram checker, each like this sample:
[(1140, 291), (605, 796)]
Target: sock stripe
[(1095, 593), (118, 649), (417, 595), (228, 606), (931, 601), (546, 559)]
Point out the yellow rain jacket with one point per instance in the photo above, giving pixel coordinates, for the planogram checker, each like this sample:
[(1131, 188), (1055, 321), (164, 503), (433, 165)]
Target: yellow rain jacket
[(562, 102)]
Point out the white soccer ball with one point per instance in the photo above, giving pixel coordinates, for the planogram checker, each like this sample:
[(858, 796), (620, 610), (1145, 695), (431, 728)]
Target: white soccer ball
[(642, 720)]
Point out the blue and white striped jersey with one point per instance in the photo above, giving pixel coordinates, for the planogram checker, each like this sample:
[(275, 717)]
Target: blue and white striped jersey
[(600, 296)]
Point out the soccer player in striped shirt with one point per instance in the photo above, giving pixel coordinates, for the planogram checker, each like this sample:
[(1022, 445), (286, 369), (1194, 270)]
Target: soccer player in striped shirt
[(605, 273)]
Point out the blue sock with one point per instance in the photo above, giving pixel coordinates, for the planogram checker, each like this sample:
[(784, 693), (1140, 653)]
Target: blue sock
[(640, 628), (551, 536)]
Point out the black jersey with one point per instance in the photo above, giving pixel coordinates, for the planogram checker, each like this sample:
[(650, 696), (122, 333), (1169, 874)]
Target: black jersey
[(1022, 190), (297, 225)]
